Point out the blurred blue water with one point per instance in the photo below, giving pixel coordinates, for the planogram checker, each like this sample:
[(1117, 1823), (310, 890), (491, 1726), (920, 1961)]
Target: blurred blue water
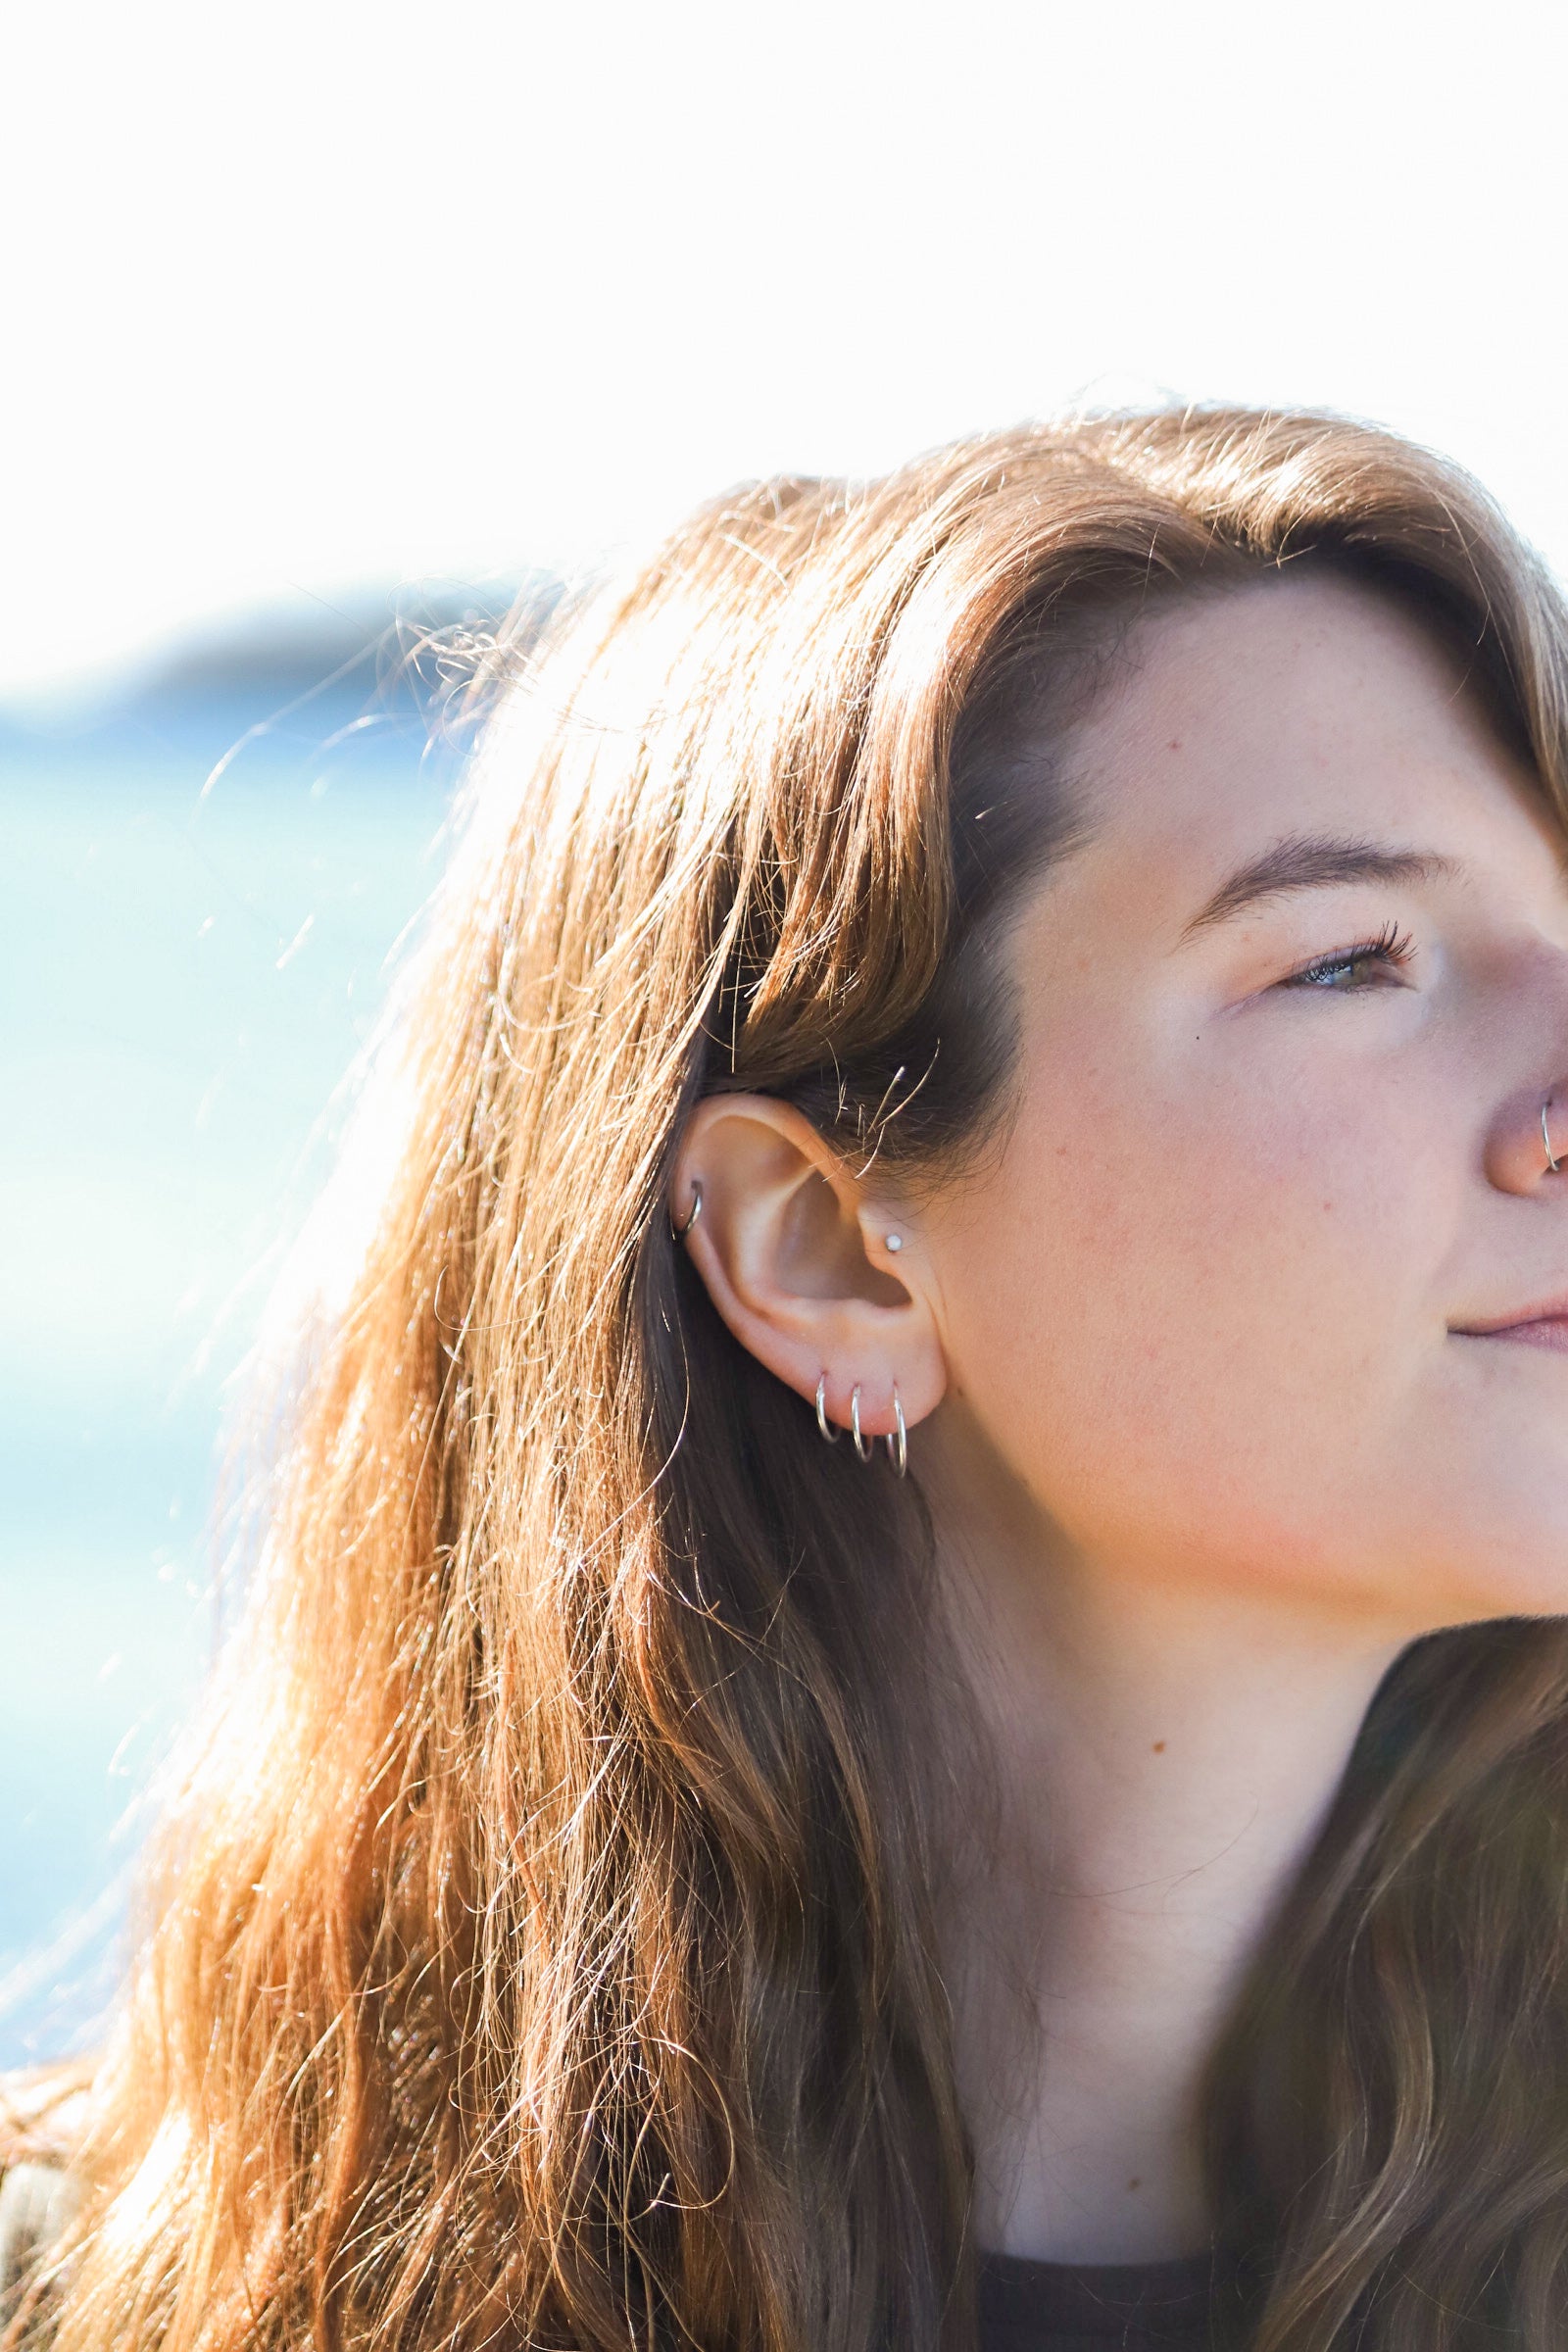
[(184, 978)]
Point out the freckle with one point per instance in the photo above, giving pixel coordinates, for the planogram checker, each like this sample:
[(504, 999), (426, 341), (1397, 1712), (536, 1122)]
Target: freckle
[(1135, 2182), (1159, 1748), (1175, 744)]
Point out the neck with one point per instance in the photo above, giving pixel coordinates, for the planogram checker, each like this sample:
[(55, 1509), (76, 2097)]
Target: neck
[(1166, 1754)]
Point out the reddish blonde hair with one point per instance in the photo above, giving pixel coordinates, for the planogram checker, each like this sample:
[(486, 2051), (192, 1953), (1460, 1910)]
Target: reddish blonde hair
[(540, 1946)]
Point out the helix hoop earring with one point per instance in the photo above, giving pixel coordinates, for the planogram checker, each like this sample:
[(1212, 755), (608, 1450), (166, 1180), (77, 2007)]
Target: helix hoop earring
[(863, 1447), (832, 1435), (1552, 1161), (899, 1447), (681, 1231)]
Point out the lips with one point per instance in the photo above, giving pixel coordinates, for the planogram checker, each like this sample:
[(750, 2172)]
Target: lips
[(1542, 1326), (1547, 1330)]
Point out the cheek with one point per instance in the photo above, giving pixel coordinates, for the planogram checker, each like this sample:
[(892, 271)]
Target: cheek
[(1184, 1326)]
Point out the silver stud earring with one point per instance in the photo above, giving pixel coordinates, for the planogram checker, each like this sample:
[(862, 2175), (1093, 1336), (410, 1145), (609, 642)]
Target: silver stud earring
[(895, 1242)]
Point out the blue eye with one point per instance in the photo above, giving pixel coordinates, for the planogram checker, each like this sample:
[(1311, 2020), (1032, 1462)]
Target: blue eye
[(1336, 973)]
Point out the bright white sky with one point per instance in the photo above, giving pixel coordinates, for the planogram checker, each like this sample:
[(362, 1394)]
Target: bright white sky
[(301, 295)]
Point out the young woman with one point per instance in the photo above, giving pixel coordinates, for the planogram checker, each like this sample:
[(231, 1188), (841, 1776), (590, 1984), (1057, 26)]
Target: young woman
[(905, 1681)]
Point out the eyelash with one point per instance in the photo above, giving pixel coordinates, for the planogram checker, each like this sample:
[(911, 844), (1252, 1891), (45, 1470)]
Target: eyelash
[(1392, 947)]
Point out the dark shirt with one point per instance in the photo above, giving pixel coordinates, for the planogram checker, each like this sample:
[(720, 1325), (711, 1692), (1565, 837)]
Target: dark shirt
[(1024, 2306), (1099, 2307)]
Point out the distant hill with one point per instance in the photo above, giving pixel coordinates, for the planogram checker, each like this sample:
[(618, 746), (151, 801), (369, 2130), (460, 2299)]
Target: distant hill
[(371, 643), (397, 652)]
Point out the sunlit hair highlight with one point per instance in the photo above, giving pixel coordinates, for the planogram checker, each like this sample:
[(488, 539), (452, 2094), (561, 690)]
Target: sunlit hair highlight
[(540, 1949)]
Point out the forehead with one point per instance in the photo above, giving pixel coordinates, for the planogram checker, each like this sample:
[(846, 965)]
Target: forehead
[(1297, 703)]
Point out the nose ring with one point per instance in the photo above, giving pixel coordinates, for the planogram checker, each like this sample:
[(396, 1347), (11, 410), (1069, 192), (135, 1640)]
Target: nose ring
[(1552, 1161)]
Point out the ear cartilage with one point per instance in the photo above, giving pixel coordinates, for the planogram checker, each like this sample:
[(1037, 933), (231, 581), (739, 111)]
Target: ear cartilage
[(895, 1241)]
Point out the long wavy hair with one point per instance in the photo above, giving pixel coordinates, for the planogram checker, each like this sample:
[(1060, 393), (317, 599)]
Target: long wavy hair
[(540, 1946)]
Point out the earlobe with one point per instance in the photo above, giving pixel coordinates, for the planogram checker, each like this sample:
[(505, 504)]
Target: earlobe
[(897, 1451)]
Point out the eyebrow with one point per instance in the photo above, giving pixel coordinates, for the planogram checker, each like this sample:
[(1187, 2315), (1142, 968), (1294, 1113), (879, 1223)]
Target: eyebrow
[(1318, 862)]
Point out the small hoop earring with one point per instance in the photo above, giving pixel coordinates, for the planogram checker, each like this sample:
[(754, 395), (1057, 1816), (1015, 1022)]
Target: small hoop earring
[(898, 1447), (680, 1230), (832, 1435), (863, 1447), (1552, 1161)]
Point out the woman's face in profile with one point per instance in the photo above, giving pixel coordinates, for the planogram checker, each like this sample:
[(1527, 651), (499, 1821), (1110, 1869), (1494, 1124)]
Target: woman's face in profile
[(1277, 1154)]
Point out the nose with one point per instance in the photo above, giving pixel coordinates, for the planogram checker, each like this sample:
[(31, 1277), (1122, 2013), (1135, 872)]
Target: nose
[(1528, 1148)]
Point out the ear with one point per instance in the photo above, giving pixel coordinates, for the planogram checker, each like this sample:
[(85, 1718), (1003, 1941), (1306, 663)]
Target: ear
[(816, 1276)]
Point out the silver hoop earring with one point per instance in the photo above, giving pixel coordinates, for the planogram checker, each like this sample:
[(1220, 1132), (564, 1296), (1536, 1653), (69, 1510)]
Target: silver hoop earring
[(832, 1435), (680, 1230), (864, 1448), (899, 1447), (1552, 1161)]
